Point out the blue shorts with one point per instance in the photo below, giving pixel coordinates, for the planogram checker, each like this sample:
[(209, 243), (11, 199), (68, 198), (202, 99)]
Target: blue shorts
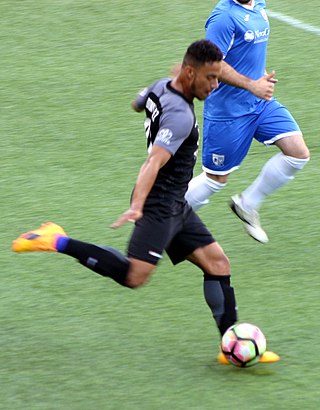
[(226, 143)]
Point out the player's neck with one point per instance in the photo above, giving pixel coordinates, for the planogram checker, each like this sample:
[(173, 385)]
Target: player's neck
[(181, 84), (250, 4)]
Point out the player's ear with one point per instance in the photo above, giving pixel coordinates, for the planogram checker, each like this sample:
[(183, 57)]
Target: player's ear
[(189, 72)]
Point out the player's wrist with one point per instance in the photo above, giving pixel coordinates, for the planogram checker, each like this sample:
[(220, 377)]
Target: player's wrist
[(136, 208), (250, 85)]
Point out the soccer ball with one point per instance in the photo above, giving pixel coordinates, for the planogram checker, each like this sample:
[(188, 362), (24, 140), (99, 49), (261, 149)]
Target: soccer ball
[(243, 344)]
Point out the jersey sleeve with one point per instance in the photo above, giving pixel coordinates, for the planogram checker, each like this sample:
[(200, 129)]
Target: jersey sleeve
[(175, 127), (220, 31)]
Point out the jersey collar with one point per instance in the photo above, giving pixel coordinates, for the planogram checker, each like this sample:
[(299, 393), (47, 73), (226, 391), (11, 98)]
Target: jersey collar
[(249, 7), (173, 90)]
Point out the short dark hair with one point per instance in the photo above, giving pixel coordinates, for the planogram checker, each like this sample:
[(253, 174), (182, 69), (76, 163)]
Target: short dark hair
[(201, 52)]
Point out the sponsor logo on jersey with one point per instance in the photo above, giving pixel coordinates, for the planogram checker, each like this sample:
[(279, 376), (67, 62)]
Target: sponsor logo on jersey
[(257, 36), (249, 36), (164, 135), (218, 160)]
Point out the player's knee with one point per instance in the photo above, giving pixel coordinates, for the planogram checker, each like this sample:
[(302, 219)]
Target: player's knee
[(220, 180), (219, 266), (303, 154), (295, 147), (136, 279), (134, 283)]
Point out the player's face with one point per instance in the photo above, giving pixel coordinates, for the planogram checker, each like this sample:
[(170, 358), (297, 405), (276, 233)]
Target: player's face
[(205, 79)]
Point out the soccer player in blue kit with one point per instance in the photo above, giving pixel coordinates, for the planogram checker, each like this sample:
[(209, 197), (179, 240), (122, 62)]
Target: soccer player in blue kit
[(242, 108)]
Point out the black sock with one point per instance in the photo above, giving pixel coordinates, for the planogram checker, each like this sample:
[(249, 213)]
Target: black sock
[(220, 297), (104, 260)]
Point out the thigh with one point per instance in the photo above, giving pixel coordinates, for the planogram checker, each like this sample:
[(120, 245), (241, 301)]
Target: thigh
[(211, 259), (226, 143), (276, 122), (192, 235), (149, 238)]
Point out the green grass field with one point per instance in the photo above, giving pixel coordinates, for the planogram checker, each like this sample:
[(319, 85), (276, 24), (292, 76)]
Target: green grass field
[(71, 148)]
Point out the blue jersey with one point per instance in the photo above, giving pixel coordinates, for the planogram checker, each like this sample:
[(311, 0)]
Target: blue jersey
[(242, 33)]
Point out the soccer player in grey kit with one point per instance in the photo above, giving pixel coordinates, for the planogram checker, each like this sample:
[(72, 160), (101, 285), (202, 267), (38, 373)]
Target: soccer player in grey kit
[(163, 219)]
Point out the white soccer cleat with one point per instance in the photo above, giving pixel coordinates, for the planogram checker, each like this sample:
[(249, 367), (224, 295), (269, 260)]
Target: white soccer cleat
[(250, 219)]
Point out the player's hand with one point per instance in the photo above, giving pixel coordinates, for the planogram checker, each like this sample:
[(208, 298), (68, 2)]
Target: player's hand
[(270, 77), (264, 86), (129, 216)]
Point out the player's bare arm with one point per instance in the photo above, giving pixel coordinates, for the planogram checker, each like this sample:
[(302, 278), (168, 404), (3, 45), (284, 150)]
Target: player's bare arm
[(157, 158), (262, 88)]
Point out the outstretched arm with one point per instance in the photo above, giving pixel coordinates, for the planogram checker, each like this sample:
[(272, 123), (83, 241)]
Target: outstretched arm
[(157, 158)]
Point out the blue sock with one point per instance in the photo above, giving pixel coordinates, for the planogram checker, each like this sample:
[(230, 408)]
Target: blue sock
[(62, 243)]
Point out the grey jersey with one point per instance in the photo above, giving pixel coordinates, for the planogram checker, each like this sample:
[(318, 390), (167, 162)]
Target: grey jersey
[(170, 123)]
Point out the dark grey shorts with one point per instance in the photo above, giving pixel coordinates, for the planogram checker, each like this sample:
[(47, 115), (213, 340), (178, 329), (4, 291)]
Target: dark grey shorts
[(179, 234)]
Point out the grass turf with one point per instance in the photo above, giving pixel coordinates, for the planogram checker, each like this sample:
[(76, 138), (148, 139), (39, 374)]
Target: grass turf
[(71, 149)]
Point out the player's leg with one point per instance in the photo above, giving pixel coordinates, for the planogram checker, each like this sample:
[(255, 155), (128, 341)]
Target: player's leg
[(219, 294), (278, 171), (225, 144), (195, 243), (217, 288), (145, 249), (202, 187), (104, 260), (278, 127), (107, 261)]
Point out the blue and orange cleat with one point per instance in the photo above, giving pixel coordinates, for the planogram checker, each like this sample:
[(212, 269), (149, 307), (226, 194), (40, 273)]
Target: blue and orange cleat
[(42, 239)]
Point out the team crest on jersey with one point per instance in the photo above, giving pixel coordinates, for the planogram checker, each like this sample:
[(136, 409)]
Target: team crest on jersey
[(218, 160), (164, 135), (247, 17), (264, 14)]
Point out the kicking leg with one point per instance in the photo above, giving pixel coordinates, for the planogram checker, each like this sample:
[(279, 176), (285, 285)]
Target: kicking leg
[(105, 261)]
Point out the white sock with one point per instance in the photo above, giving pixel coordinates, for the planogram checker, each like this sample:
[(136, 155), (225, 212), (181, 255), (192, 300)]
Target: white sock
[(200, 189), (278, 171)]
